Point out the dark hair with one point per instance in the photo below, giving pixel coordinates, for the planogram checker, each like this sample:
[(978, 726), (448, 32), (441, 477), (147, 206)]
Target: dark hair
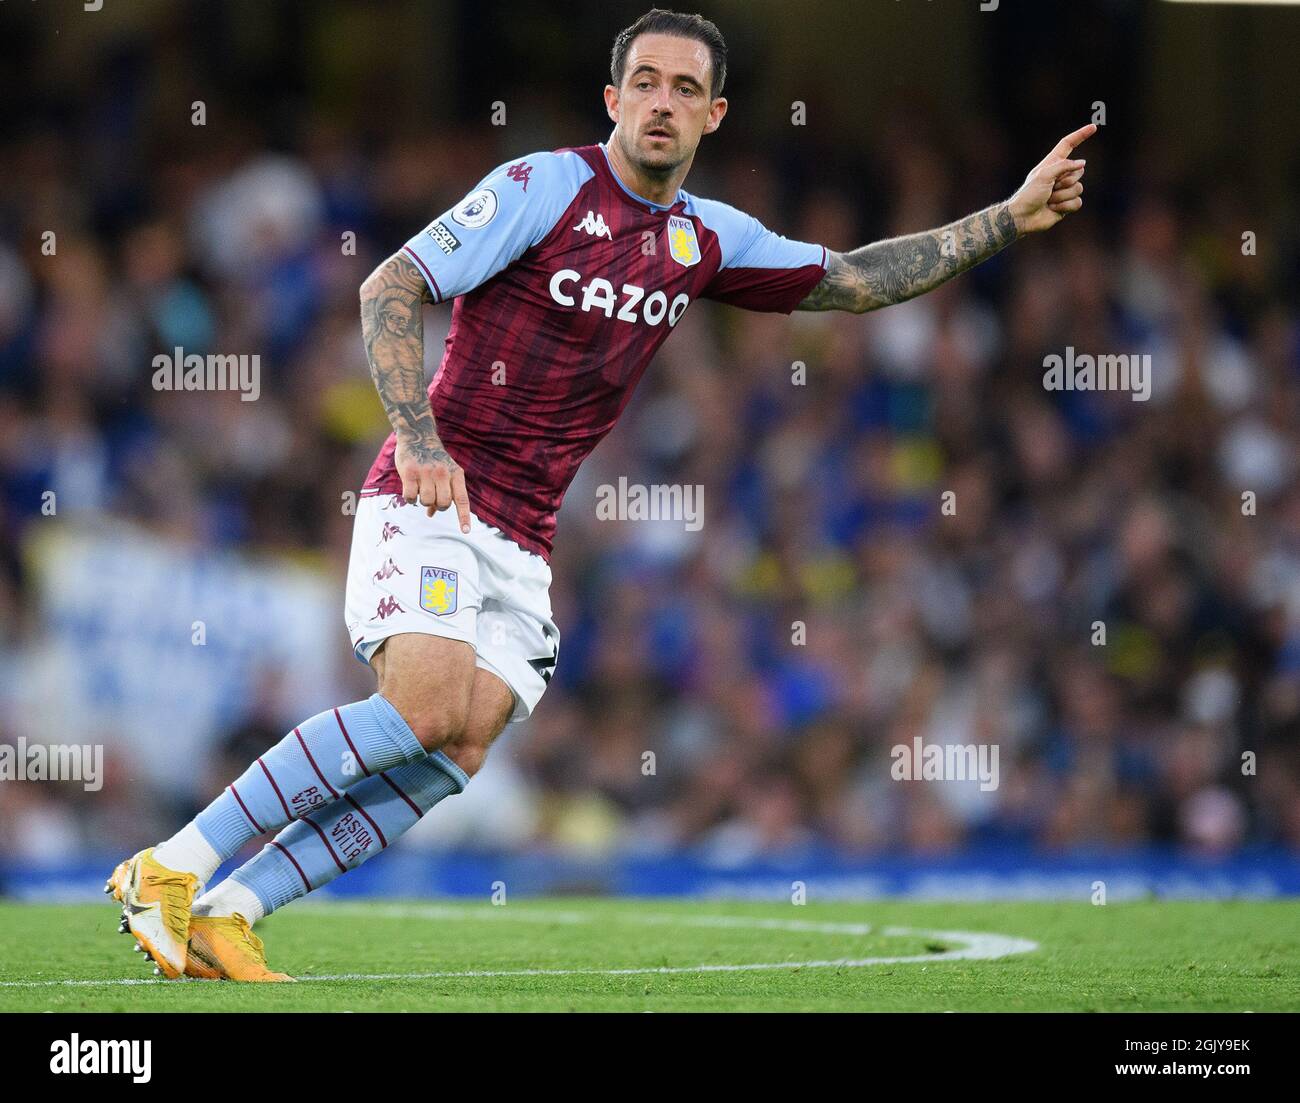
[(659, 21)]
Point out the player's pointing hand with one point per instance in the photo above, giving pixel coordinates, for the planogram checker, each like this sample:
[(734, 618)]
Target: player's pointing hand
[(432, 478), (1053, 188)]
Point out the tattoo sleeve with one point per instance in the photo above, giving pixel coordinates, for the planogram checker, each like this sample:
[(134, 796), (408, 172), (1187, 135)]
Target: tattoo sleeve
[(392, 327), (893, 271)]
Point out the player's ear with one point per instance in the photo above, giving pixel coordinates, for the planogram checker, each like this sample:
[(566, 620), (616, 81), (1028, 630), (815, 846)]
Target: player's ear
[(716, 110), (611, 102)]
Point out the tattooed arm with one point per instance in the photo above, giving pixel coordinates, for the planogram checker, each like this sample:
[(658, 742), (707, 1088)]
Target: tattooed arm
[(392, 326), (901, 268)]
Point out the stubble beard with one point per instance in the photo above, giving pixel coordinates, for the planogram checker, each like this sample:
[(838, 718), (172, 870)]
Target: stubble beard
[(660, 164)]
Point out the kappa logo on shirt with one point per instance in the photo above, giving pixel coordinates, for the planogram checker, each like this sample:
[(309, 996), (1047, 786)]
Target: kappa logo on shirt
[(595, 224), (520, 173)]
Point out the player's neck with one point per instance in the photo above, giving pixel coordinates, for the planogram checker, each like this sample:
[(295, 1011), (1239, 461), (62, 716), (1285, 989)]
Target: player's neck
[(660, 189)]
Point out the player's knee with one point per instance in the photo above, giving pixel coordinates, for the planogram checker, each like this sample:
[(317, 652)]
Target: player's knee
[(434, 723), (468, 756), (435, 727)]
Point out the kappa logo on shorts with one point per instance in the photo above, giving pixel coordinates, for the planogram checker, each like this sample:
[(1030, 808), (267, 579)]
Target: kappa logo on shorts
[(388, 570), (438, 591)]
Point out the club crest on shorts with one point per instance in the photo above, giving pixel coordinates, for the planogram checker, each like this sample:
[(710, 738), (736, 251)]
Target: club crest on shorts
[(438, 591), (683, 245)]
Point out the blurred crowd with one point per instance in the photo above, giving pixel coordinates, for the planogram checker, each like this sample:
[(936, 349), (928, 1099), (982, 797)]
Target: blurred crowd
[(1114, 601)]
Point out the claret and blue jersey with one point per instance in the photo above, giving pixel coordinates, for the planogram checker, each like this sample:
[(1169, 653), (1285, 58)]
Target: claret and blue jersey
[(564, 284)]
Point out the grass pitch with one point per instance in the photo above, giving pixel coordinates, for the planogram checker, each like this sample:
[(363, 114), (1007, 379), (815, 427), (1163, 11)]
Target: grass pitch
[(656, 955)]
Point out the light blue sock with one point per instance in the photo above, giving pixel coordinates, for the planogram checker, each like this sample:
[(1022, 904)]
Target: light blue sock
[(369, 818), (309, 767)]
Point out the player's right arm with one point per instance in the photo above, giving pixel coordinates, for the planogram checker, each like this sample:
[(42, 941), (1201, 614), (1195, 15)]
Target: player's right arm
[(392, 326), (893, 271)]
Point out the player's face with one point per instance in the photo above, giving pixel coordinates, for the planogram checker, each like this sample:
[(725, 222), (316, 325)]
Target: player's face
[(663, 107)]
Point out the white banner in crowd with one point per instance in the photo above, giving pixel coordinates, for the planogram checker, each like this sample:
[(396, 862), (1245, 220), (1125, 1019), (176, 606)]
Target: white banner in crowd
[(155, 648)]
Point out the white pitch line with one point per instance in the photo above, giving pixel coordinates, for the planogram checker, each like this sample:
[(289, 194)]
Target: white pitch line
[(978, 946)]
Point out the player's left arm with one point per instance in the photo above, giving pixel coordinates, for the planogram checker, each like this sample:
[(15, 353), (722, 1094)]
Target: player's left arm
[(893, 271)]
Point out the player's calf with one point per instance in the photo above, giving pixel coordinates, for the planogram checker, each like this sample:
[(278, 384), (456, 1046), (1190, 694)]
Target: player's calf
[(491, 704), (374, 813), (312, 767)]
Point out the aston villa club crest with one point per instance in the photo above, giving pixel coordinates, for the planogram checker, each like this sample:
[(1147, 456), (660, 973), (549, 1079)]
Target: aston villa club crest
[(683, 246), (438, 591)]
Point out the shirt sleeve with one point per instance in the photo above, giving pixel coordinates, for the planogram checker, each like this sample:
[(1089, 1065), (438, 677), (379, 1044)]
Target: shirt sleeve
[(507, 212), (760, 270)]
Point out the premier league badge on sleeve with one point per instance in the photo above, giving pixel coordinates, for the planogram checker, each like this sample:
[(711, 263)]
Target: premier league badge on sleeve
[(683, 245), (478, 210), (438, 591)]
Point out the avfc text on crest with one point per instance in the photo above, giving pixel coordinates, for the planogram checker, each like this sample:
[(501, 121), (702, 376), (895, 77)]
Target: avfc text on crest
[(683, 245), (438, 591)]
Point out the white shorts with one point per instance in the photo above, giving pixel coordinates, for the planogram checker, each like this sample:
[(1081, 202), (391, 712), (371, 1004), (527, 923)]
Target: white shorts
[(409, 572)]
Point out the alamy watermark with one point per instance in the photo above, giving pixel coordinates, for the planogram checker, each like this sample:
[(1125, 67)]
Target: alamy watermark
[(83, 762), (919, 761), (637, 502), (102, 1057), (1082, 371), (181, 371)]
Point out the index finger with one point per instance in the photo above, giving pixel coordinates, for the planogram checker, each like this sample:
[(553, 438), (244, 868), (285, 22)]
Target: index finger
[(460, 496), (1067, 144)]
